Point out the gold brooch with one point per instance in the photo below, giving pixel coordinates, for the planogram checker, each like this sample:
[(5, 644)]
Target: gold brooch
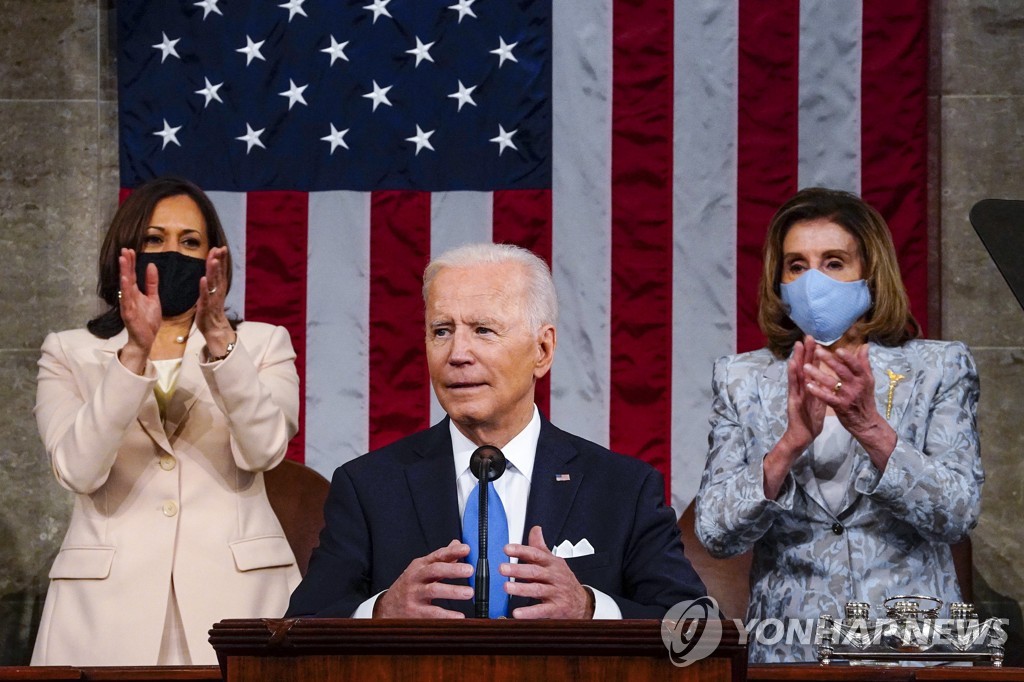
[(894, 379)]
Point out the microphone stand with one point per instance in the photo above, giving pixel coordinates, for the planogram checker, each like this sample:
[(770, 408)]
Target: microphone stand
[(488, 464), (483, 571)]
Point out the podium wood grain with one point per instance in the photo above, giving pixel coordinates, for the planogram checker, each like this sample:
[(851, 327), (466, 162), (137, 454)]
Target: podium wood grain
[(309, 650)]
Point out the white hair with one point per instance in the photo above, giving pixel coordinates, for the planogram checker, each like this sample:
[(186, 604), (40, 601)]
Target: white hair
[(541, 304)]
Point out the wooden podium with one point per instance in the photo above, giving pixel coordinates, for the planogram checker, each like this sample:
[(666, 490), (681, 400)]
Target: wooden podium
[(312, 649)]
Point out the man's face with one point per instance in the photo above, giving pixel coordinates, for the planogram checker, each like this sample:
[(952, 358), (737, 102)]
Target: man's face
[(483, 356)]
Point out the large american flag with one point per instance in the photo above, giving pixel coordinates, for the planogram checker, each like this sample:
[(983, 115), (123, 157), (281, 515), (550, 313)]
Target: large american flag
[(640, 146)]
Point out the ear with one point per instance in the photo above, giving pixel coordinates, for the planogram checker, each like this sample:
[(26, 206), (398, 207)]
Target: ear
[(547, 339)]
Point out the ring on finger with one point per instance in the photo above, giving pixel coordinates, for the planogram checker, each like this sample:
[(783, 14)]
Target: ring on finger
[(211, 291), (838, 387)]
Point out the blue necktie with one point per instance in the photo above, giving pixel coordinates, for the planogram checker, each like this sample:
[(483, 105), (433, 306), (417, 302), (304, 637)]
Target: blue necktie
[(497, 538)]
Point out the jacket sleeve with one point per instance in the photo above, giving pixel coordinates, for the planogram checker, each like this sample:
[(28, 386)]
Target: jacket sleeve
[(82, 432), (259, 397), (933, 481), (338, 579), (655, 573), (732, 512)]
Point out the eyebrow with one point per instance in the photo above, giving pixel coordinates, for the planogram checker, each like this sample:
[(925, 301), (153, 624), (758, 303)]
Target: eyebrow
[(447, 321), (164, 229), (831, 252), (484, 322)]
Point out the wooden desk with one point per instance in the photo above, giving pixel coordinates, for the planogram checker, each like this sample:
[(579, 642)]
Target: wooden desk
[(310, 650)]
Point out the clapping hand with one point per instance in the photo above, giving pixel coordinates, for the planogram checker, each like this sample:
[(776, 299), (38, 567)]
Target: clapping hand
[(211, 320), (140, 311)]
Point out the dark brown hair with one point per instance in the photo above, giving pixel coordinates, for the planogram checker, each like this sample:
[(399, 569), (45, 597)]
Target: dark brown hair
[(889, 320), (128, 230)]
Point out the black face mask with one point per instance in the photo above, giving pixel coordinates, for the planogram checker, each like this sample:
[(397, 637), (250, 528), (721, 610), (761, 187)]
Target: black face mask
[(179, 279)]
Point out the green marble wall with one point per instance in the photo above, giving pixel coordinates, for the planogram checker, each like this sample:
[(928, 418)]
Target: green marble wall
[(58, 187)]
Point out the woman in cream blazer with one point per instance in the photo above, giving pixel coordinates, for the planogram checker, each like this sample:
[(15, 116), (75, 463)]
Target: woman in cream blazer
[(171, 529)]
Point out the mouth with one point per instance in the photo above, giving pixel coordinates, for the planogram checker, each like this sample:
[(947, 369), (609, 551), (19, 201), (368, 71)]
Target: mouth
[(464, 385)]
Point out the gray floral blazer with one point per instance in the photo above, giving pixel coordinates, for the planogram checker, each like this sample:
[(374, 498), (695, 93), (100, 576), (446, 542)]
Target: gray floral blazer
[(893, 533)]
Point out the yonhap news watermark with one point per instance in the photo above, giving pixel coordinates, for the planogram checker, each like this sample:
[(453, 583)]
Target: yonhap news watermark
[(692, 630)]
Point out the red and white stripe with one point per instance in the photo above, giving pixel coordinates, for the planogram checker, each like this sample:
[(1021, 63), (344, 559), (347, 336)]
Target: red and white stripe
[(678, 130)]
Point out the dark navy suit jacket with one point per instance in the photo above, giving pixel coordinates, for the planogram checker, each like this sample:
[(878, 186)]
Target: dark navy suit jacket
[(398, 503)]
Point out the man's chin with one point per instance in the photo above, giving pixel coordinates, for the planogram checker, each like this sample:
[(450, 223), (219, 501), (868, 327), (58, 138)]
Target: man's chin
[(465, 418)]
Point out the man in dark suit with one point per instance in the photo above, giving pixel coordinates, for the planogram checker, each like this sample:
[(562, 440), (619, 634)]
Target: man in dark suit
[(391, 545)]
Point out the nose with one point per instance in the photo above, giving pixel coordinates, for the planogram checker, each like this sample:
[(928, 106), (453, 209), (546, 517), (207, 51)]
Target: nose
[(460, 351)]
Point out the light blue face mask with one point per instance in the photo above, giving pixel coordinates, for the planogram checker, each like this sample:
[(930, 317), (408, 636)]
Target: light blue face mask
[(825, 308)]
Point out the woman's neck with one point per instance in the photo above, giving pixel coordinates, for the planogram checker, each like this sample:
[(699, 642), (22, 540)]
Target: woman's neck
[(170, 340)]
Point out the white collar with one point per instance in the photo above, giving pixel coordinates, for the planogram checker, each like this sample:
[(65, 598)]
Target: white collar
[(520, 452)]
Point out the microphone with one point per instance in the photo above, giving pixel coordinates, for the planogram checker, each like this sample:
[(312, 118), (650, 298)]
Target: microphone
[(488, 464)]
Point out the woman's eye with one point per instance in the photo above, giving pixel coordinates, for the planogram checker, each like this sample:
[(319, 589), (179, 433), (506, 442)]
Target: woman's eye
[(192, 243), (151, 239)]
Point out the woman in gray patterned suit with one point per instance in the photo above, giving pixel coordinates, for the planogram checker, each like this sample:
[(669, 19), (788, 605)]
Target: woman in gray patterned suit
[(846, 452)]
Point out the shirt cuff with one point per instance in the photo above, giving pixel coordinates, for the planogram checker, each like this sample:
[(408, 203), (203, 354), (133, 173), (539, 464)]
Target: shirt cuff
[(365, 610), (605, 607)]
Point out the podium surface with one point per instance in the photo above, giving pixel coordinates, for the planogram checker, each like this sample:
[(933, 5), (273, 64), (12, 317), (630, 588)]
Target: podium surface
[(312, 649)]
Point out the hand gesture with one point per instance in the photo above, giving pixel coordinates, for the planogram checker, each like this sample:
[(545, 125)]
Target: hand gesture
[(805, 414), (211, 320), (544, 576), (412, 593), (140, 311), (851, 394), (804, 409)]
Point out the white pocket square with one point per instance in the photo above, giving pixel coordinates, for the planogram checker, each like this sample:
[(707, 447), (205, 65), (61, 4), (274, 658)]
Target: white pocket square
[(567, 550)]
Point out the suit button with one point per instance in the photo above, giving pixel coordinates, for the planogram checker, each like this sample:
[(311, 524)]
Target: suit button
[(837, 528), (170, 508), (167, 462)]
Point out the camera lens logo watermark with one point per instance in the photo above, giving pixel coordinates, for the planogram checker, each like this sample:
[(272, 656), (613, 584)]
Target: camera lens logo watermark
[(687, 642)]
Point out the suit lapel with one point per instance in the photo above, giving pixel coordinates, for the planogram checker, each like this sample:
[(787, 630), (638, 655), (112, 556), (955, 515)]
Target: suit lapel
[(149, 415), (551, 499), (432, 487), (773, 393), (892, 368)]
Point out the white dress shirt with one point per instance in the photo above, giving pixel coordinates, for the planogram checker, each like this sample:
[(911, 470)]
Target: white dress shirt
[(514, 490), (514, 485)]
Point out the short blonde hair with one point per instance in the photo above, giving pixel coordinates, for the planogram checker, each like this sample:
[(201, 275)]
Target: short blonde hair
[(541, 304), (889, 321)]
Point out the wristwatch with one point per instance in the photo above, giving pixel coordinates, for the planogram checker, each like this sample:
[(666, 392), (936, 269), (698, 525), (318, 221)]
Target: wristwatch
[(227, 352)]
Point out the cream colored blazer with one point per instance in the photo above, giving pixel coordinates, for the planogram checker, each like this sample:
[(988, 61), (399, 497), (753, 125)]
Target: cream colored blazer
[(182, 501)]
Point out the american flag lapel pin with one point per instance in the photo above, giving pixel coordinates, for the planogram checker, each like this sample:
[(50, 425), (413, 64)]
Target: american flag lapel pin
[(561, 477)]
